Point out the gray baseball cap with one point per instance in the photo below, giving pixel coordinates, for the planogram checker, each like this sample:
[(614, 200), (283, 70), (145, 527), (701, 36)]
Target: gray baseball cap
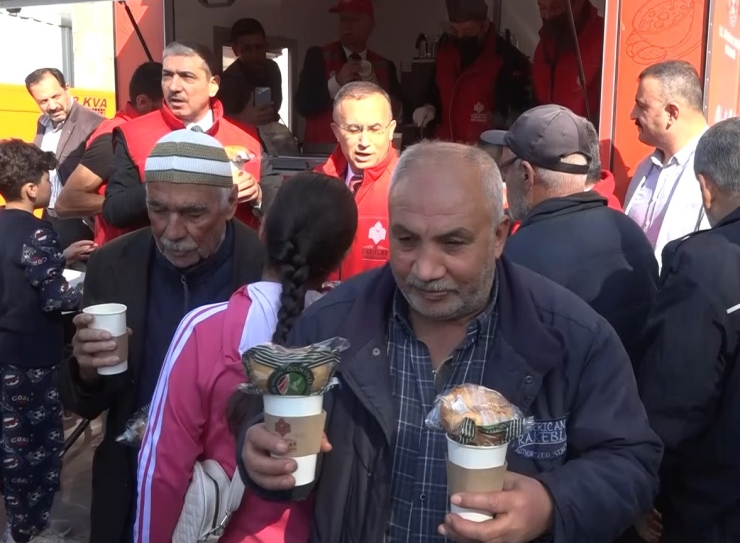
[(544, 135), (493, 137)]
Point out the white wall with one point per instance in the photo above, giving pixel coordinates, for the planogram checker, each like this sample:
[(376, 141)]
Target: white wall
[(33, 39), (27, 44)]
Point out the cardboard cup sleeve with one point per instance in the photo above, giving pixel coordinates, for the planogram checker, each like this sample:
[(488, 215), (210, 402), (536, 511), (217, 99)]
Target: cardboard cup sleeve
[(474, 469), (299, 420)]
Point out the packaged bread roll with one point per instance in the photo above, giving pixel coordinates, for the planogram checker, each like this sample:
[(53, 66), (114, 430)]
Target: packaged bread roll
[(305, 371), (476, 415)]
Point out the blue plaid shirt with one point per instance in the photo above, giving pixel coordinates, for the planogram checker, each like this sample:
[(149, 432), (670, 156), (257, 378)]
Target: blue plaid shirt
[(419, 480)]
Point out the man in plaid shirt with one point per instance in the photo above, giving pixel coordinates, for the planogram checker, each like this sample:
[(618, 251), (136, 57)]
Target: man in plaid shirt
[(450, 309)]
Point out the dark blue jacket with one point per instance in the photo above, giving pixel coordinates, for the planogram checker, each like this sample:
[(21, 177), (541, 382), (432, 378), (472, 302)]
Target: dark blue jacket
[(552, 356), (595, 252), (33, 291), (690, 384)]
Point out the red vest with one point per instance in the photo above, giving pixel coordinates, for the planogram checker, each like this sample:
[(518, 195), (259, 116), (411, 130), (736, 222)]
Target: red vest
[(370, 248), (555, 77), (143, 133), (318, 127), (105, 232), (467, 95)]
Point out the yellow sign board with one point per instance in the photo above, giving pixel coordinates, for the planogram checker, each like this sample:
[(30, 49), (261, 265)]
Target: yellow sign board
[(19, 113)]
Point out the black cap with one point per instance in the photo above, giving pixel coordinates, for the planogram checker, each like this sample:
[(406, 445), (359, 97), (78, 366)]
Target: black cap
[(460, 11), (544, 135)]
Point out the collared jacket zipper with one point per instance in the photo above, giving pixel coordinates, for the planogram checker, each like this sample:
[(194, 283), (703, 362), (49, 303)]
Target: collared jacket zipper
[(186, 293)]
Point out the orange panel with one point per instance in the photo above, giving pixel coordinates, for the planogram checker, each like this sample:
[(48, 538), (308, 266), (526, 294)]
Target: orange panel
[(721, 97), (646, 33), (149, 16)]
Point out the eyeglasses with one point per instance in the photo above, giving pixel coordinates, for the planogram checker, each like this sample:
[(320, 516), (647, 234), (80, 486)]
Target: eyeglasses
[(356, 130)]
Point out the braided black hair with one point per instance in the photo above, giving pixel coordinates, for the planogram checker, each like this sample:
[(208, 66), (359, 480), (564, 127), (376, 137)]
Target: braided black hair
[(308, 229)]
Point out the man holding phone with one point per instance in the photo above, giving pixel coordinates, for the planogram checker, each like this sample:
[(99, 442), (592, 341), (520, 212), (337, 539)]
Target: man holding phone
[(251, 87)]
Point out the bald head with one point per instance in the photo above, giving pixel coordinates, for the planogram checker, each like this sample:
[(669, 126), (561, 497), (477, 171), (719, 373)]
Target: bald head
[(451, 165), (447, 228)]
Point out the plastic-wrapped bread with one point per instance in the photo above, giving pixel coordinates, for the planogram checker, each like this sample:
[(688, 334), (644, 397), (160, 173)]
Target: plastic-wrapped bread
[(476, 415), (281, 371)]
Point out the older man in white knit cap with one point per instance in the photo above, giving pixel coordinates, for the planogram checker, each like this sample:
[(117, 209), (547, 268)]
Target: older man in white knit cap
[(193, 254)]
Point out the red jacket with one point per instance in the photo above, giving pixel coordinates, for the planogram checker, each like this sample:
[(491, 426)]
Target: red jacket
[(556, 79), (370, 248), (143, 133), (318, 127), (105, 232), (606, 187), (467, 96)]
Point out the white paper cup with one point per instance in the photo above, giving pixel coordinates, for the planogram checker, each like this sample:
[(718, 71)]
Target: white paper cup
[(112, 319), (472, 457), (297, 407)]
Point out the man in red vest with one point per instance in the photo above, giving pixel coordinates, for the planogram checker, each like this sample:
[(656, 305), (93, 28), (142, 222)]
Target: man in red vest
[(364, 159), (482, 81), (83, 195), (327, 69), (555, 73), (189, 85)]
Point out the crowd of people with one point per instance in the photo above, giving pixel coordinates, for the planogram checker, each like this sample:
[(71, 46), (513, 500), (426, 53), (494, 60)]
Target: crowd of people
[(502, 258)]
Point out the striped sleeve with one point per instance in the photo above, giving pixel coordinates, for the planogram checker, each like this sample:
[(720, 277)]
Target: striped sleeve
[(172, 441)]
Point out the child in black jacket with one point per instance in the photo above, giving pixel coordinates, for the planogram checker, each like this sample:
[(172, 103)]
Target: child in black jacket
[(33, 294)]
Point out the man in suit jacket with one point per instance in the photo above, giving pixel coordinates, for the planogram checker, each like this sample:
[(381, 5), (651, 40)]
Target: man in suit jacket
[(193, 254), (62, 129), (327, 69)]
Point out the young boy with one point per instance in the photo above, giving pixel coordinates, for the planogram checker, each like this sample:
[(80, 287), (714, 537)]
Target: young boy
[(33, 293)]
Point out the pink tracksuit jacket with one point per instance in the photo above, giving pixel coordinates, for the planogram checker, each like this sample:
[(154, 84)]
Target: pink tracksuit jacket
[(187, 421)]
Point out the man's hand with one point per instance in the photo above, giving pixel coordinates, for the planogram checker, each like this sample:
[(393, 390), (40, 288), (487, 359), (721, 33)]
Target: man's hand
[(79, 251), (268, 472), (523, 511), (650, 527), (349, 72), (257, 116), (92, 348), (249, 188)]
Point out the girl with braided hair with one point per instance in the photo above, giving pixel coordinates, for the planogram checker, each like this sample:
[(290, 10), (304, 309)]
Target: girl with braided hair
[(307, 231)]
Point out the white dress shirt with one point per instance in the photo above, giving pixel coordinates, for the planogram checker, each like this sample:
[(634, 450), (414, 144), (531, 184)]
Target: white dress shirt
[(205, 124), (50, 143), (333, 84), (664, 199)]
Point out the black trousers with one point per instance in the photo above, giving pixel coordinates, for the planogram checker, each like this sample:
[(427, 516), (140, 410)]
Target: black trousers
[(32, 445)]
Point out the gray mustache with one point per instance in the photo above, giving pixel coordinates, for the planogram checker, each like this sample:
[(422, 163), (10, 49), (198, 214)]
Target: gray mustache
[(429, 286), (178, 246)]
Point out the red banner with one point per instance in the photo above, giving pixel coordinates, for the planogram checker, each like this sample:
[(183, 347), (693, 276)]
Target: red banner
[(723, 61)]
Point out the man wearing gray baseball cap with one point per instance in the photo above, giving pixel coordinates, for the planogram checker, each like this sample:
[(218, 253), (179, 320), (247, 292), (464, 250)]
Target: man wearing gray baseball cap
[(567, 233)]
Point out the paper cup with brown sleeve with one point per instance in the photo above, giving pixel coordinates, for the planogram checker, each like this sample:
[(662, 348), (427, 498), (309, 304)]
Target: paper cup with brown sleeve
[(299, 420), (473, 468), (112, 319)]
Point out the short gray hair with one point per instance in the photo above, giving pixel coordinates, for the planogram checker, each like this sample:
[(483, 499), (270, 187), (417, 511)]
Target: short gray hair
[(718, 156), (553, 180), (440, 152), (358, 90), (192, 49), (678, 79), (594, 167)]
